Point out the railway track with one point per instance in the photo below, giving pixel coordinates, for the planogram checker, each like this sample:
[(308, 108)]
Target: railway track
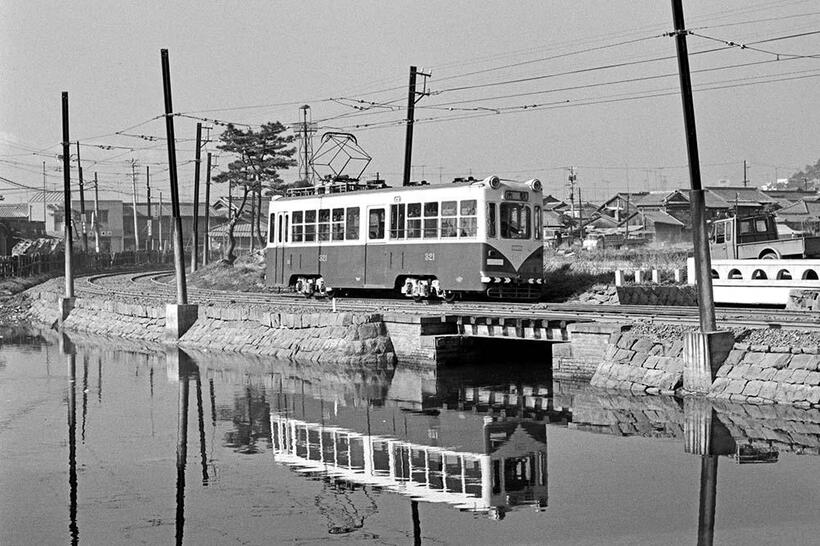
[(154, 286)]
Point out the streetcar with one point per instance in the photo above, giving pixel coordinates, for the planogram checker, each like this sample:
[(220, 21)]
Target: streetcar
[(467, 238)]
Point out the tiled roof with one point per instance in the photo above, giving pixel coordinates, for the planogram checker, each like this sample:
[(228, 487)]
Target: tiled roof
[(660, 217)]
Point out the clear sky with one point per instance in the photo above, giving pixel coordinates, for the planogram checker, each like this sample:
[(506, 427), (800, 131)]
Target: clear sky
[(598, 79)]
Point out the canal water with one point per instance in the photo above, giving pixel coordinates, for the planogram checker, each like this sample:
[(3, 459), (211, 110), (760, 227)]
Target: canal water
[(117, 443)]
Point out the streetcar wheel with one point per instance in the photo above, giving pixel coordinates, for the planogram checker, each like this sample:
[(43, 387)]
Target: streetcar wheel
[(769, 256), (449, 296)]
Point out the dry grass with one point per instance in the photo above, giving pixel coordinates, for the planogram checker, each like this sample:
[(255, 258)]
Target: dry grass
[(566, 276), (247, 274)]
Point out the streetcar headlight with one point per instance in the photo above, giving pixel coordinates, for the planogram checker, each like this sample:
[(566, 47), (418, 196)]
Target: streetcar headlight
[(534, 184), (493, 181)]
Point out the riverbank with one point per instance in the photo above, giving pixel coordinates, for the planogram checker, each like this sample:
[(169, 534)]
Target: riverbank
[(344, 338), (765, 366)]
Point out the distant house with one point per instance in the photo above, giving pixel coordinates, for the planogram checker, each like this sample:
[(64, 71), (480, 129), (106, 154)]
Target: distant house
[(17, 224), (662, 228), (740, 200), (553, 203), (802, 216)]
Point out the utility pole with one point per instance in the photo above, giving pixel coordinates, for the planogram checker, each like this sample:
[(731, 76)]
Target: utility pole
[(96, 214), (206, 246), (197, 161), (179, 249), (745, 178), (571, 179), (305, 147), (69, 276), (413, 97), (580, 215), (44, 196), (703, 260), (149, 245), (134, 204), (82, 200)]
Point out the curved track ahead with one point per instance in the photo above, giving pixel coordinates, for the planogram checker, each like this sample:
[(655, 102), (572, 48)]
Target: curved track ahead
[(158, 287)]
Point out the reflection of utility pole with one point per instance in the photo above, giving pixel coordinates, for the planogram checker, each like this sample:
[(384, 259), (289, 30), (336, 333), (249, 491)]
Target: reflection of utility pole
[(413, 97), (71, 360)]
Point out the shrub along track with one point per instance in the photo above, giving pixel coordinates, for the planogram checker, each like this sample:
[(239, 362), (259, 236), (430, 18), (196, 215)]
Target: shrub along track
[(158, 288)]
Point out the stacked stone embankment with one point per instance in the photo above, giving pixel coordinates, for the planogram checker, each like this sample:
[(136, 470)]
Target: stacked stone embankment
[(657, 294), (764, 374), (641, 361), (766, 366), (341, 338)]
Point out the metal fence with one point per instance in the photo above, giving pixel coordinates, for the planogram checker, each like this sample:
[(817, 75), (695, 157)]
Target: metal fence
[(41, 264)]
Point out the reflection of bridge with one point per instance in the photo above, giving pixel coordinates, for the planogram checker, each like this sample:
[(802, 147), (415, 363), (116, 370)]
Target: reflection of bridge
[(510, 470)]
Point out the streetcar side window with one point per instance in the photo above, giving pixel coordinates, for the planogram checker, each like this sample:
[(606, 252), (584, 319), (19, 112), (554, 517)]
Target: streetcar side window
[(297, 227), (270, 228), (324, 224), (279, 228), (397, 218), (431, 220), (352, 224), (338, 227), (449, 220), (515, 221), (376, 224), (467, 221), (414, 220), (310, 225), (491, 220)]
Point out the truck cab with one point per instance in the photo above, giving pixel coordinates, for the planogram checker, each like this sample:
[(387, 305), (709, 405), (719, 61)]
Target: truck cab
[(728, 235), (755, 237)]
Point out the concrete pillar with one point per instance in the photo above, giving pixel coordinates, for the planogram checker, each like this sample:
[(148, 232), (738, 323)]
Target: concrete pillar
[(64, 307), (656, 276), (703, 354), (619, 277), (179, 318), (638, 276)]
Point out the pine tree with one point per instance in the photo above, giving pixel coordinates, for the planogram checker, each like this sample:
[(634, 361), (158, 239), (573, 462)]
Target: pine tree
[(258, 158)]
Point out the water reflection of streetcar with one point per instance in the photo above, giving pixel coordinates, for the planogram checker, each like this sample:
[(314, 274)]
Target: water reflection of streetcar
[(473, 237)]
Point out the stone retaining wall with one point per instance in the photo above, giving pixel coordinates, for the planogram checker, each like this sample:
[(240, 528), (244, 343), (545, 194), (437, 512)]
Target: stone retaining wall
[(641, 365), (656, 294), (341, 338), (761, 374)]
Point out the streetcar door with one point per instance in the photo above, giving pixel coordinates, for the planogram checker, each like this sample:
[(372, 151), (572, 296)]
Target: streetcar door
[(375, 249), (281, 236)]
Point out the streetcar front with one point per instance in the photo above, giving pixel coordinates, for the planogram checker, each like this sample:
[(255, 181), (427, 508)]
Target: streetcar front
[(513, 251)]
